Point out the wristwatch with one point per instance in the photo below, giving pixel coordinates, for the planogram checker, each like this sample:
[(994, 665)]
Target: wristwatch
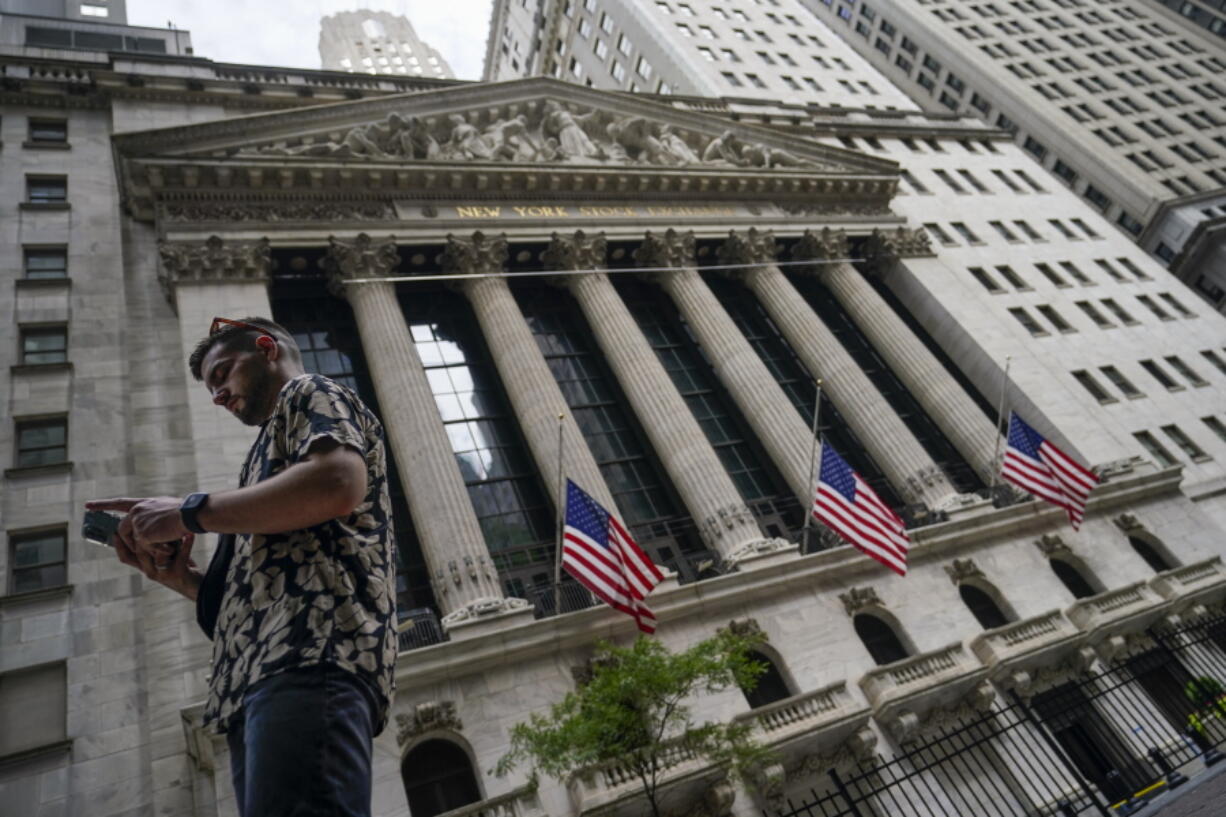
[(189, 510)]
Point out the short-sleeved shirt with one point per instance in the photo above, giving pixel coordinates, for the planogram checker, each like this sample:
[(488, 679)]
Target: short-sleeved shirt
[(319, 595)]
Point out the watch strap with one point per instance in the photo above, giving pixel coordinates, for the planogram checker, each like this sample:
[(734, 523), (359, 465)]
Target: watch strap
[(189, 510)]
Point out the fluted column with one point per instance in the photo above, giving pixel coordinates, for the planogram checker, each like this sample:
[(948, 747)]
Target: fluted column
[(766, 408), (531, 388), (726, 523), (950, 407), (465, 583), (204, 280), (892, 445)]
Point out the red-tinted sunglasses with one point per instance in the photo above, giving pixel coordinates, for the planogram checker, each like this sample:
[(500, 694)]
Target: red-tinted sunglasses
[(221, 323)]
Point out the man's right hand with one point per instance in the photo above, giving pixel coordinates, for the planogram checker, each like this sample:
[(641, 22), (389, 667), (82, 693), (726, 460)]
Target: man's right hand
[(166, 564)]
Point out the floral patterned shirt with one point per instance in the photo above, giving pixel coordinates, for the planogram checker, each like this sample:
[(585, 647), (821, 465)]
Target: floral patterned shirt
[(320, 595)]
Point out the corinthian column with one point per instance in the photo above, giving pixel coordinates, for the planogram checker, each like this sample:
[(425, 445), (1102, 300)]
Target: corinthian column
[(204, 280), (910, 470), (726, 523), (950, 407), (531, 388), (465, 583), (756, 392)]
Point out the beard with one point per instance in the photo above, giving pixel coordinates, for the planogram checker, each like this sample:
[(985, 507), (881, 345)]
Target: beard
[(255, 406)]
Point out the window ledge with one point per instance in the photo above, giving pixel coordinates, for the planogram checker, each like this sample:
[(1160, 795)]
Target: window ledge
[(1176, 388), (44, 205), (46, 145), (38, 470), (1069, 331), (43, 283), (37, 751), (1202, 458), (36, 368), (1136, 397), (35, 595), (1108, 401)]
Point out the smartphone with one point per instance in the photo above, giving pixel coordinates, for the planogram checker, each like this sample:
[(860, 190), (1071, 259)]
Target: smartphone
[(100, 528)]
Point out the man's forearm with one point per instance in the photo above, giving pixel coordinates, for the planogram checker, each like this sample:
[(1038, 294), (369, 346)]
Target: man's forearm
[(301, 496)]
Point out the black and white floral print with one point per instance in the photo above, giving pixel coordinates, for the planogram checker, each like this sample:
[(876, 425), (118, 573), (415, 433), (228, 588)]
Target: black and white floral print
[(324, 594)]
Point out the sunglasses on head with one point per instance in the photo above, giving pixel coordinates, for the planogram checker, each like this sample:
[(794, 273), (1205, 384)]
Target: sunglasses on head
[(220, 324)]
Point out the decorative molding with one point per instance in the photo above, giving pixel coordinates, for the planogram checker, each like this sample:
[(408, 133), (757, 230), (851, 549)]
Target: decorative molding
[(746, 628), (757, 547), (959, 570), (726, 518), (1050, 544), (478, 254), (364, 257), (667, 249), (214, 260), (484, 608), (1129, 523), (425, 718), (752, 246), (824, 246), (883, 249), (578, 250), (195, 212), (841, 207), (859, 599)]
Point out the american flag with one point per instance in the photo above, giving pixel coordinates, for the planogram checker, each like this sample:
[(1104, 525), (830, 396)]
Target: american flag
[(605, 559), (845, 504), (1038, 467)]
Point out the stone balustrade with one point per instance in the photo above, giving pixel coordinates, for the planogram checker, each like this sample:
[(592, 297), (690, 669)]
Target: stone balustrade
[(521, 802), (1011, 652), (808, 723), (1126, 608), (1191, 583), (613, 789), (914, 685)]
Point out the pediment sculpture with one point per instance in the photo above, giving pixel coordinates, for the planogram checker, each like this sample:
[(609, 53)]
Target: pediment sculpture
[(550, 133)]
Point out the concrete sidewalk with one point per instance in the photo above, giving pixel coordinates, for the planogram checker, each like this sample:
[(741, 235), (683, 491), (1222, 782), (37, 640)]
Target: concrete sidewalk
[(1202, 796)]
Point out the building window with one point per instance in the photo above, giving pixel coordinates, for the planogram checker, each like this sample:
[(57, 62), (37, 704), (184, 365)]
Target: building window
[(48, 131), (879, 638), (941, 235), (1133, 268), (1032, 326), (42, 442), (1091, 385), (1055, 318), (1185, 371), (438, 777), (1175, 304), (43, 345), (771, 685), (94, 10), (1119, 312), (1215, 359), (966, 233), (985, 609), (1051, 275), (1093, 314), (1159, 374), (1012, 277), (1096, 197), (1071, 578), (1034, 148), (37, 560), (46, 189), (1158, 311), (43, 263), (33, 708), (1194, 451), (1120, 382), (981, 275), (1216, 426)]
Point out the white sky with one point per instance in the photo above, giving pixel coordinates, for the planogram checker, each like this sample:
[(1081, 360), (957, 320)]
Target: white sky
[(264, 33)]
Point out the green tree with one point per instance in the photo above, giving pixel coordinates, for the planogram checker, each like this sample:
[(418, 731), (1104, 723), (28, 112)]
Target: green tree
[(633, 711)]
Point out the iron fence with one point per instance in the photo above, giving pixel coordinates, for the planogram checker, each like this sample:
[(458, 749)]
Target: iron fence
[(1103, 743)]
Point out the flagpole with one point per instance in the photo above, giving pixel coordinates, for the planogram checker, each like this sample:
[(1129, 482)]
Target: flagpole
[(1000, 411), (817, 411), (561, 511)]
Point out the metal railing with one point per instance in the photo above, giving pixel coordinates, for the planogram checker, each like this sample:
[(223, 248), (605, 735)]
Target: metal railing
[(419, 627)]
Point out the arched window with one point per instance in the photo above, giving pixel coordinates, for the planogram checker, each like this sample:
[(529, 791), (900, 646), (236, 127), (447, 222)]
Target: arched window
[(983, 606), (1072, 578), (880, 639), (771, 684), (1156, 561), (438, 777)]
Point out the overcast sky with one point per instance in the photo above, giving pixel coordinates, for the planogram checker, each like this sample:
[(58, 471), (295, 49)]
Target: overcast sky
[(262, 33)]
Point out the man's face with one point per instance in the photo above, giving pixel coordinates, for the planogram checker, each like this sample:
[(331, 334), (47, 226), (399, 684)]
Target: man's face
[(242, 381)]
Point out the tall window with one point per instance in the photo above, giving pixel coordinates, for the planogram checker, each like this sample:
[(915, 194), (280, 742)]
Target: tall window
[(46, 262), (37, 560), (438, 777), (44, 344), (33, 708), (879, 638), (1153, 557), (46, 189), (771, 684), (42, 442), (1072, 579), (985, 609)]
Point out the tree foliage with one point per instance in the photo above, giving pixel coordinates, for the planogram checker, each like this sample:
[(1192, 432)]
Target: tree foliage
[(635, 711)]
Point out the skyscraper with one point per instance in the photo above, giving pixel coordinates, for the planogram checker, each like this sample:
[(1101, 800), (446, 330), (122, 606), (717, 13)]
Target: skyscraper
[(377, 42)]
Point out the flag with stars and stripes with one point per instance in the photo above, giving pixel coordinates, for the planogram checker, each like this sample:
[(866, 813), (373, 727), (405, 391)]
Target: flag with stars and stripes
[(845, 504), (600, 553), (1038, 467)]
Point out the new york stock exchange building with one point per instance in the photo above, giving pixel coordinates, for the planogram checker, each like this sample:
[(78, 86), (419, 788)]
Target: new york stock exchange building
[(659, 284)]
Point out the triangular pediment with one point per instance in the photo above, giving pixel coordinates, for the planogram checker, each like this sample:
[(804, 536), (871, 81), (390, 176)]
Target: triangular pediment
[(491, 138)]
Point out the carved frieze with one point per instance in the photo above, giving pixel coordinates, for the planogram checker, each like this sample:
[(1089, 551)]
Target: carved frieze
[(1050, 544), (883, 249), (962, 569), (835, 208), (858, 599), (278, 211), (577, 251), (667, 249), (476, 254), (752, 246), (425, 718), (745, 628), (212, 260), (1129, 523), (827, 244)]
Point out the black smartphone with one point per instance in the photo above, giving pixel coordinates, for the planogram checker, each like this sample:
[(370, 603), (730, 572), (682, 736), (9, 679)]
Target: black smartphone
[(100, 527)]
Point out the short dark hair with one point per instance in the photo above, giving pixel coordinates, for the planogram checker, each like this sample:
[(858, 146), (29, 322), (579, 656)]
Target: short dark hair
[(241, 338)]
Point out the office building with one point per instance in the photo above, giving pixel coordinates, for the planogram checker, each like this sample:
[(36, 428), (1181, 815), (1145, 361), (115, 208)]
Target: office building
[(377, 42)]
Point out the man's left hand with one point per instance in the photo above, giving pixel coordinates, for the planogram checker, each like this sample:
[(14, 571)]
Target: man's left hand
[(149, 521)]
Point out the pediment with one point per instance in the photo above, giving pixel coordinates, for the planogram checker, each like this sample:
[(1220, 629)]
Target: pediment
[(495, 136)]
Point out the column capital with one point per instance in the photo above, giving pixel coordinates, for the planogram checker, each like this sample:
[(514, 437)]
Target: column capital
[(752, 246), (364, 257), (214, 260), (667, 249), (577, 250), (826, 245), (884, 248), (476, 254)]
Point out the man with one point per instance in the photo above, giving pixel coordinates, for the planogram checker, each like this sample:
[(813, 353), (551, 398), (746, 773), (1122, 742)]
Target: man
[(300, 599)]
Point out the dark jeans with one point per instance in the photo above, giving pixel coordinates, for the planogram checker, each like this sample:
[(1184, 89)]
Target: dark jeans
[(302, 744)]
